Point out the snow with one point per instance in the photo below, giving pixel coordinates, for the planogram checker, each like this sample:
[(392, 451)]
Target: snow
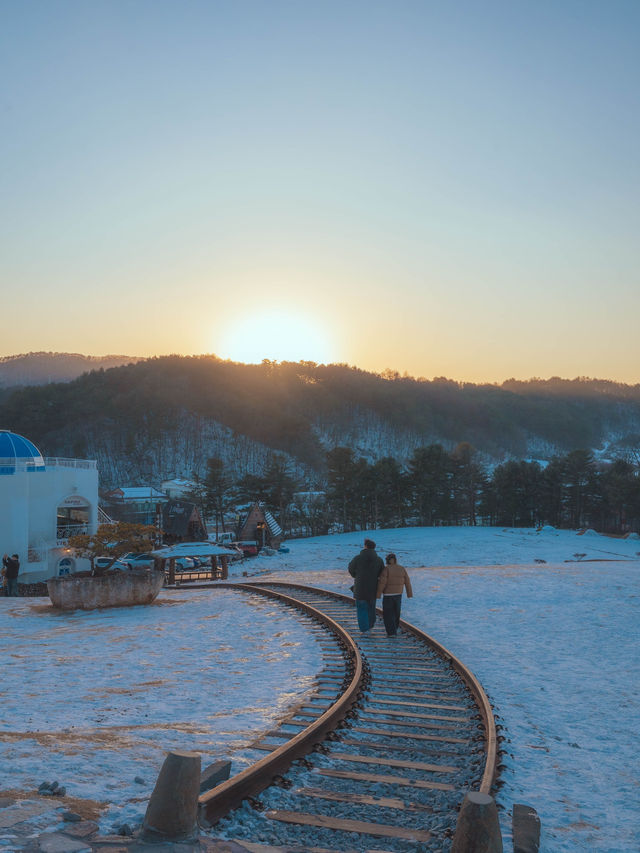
[(552, 637)]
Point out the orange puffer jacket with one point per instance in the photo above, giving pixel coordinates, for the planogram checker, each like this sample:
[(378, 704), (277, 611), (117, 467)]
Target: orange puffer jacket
[(392, 581)]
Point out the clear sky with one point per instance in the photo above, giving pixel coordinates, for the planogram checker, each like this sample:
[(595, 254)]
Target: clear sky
[(443, 188)]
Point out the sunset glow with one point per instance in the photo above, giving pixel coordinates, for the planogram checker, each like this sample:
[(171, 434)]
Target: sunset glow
[(274, 336)]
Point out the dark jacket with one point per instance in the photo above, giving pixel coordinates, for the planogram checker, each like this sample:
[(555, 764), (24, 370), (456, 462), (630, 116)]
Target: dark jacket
[(365, 568), (12, 568)]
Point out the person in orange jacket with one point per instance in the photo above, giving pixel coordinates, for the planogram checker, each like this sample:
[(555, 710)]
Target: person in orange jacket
[(393, 579)]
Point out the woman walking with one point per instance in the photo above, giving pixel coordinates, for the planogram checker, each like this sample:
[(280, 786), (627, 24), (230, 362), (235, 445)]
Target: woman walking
[(393, 579)]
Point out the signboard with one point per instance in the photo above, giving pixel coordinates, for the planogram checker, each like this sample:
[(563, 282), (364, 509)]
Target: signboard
[(74, 501)]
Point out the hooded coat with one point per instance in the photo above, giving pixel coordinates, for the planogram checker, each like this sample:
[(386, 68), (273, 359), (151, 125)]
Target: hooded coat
[(366, 568)]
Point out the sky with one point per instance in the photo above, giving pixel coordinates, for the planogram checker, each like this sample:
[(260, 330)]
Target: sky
[(443, 189)]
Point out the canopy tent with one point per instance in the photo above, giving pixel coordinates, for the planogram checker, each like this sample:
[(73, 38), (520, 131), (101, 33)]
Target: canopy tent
[(195, 549)]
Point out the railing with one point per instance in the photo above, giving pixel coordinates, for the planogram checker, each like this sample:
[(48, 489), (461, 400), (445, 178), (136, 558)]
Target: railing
[(64, 532), (9, 465), (59, 462)]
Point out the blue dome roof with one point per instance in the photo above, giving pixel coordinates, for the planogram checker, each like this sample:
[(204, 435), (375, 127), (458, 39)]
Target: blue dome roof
[(17, 452)]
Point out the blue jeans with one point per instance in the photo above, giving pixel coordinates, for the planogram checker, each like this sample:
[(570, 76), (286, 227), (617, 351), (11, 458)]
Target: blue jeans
[(366, 611), (12, 586)]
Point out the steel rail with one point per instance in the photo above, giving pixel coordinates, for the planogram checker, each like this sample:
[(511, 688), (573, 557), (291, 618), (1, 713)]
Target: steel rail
[(214, 804), (474, 686)]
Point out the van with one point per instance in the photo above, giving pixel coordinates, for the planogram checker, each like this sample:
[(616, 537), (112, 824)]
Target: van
[(225, 538)]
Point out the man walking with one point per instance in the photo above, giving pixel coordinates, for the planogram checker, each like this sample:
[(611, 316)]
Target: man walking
[(11, 570), (366, 568)]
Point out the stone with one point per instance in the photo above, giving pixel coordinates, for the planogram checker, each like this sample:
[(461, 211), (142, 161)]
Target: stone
[(56, 842), (15, 814), (139, 780), (526, 829), (478, 827), (125, 829), (214, 774), (71, 817), (84, 829), (173, 808)]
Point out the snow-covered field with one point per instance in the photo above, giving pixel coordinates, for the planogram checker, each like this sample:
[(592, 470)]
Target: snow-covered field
[(95, 699)]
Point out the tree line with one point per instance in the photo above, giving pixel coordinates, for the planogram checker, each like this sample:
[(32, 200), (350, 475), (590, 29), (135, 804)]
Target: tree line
[(283, 405), (436, 487)]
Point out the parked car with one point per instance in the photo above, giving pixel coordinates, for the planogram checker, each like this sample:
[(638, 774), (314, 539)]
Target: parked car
[(109, 562), (186, 564), (249, 548), (138, 561)]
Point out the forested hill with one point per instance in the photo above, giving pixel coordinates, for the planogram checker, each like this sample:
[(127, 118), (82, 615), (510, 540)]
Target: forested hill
[(165, 417)]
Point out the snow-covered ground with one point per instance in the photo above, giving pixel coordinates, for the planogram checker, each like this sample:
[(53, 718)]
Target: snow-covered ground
[(554, 643)]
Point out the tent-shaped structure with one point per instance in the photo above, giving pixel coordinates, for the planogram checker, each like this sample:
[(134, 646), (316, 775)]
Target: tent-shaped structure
[(181, 522), (260, 526)]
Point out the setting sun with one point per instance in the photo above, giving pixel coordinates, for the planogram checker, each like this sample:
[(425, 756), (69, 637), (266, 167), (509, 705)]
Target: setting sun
[(276, 336)]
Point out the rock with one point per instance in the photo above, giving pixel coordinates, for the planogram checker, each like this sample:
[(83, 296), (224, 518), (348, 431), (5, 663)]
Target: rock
[(45, 787), (125, 830), (53, 787), (139, 780), (85, 829), (56, 842), (71, 817), (60, 792)]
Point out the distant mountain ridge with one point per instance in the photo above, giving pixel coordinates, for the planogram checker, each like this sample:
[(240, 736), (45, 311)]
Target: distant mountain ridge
[(40, 368), (164, 417)]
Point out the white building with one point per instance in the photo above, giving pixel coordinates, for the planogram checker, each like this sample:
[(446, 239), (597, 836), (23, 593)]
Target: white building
[(178, 488), (42, 503)]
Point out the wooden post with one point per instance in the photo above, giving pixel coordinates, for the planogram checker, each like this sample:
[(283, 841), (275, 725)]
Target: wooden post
[(172, 571), (225, 567), (214, 567), (478, 828), (173, 808)]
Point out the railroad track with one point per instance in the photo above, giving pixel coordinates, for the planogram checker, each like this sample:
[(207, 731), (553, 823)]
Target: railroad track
[(378, 757)]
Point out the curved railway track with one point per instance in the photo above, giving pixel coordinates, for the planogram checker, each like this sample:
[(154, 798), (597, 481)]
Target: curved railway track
[(378, 757)]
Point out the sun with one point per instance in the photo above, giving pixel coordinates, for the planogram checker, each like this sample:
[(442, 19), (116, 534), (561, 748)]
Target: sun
[(275, 336)]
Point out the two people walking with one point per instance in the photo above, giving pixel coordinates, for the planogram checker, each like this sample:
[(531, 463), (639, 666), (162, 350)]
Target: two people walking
[(372, 579)]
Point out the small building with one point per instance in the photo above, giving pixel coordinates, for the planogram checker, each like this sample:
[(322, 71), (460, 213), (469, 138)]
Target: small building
[(260, 526), (181, 522), (134, 504), (43, 501), (178, 488)]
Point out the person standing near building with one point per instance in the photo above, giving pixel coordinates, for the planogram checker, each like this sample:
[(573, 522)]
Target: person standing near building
[(11, 570), (366, 568), (392, 581)]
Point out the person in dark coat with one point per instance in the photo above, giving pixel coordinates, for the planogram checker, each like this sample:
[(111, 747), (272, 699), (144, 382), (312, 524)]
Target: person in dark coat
[(366, 568), (11, 570)]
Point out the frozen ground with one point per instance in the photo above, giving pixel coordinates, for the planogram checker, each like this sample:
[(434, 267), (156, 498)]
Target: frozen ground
[(95, 699)]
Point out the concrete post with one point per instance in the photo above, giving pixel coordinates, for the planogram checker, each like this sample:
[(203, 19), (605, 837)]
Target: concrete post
[(478, 828), (173, 808)]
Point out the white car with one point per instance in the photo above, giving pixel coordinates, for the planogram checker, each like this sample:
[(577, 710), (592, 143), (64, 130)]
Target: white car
[(138, 561), (109, 562)]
